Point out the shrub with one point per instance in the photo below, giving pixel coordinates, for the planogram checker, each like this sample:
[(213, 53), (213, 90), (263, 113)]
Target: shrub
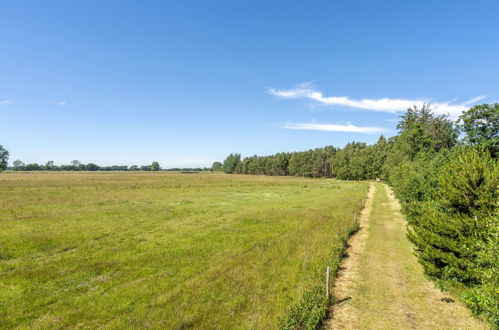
[(455, 230), (484, 298)]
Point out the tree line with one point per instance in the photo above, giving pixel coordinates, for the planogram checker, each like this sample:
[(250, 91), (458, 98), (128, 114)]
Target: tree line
[(76, 165), (446, 176), (356, 161)]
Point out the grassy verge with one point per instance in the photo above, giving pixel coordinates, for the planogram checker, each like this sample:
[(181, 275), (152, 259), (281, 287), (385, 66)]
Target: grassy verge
[(167, 250), (312, 308)]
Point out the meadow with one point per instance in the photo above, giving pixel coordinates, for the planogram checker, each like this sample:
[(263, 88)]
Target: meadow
[(166, 250)]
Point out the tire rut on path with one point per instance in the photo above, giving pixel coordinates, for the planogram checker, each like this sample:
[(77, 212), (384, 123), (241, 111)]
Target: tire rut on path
[(382, 286)]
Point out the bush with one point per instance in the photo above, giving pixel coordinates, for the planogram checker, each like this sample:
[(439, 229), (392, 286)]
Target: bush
[(455, 227), (483, 299)]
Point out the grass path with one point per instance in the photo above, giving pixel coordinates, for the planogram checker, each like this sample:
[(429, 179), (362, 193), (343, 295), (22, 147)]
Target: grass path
[(381, 284)]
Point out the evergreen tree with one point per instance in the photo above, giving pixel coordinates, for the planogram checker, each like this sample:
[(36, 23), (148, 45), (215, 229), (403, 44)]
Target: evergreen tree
[(447, 228)]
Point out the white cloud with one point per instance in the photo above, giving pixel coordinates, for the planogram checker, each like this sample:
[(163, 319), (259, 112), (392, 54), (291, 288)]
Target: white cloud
[(308, 91), (333, 128), (61, 103), (5, 102)]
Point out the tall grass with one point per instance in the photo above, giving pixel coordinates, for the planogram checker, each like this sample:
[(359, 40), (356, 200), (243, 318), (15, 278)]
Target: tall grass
[(166, 250)]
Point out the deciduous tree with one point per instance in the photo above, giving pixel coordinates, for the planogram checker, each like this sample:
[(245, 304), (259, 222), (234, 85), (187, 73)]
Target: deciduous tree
[(4, 158), (217, 166), (155, 166)]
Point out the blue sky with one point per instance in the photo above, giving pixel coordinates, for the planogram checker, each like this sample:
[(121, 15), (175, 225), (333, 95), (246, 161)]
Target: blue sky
[(187, 82)]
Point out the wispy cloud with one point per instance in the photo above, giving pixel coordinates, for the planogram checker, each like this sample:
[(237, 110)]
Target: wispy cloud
[(349, 128), (5, 102), (61, 103), (308, 91)]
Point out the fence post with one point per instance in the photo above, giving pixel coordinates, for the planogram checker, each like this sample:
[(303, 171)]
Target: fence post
[(355, 218), (327, 282)]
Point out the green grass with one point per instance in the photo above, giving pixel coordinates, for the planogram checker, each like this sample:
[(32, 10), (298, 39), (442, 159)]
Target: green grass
[(165, 250), (388, 288)]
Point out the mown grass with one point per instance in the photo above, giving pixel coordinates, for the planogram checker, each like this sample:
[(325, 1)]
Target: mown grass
[(165, 250), (388, 289)]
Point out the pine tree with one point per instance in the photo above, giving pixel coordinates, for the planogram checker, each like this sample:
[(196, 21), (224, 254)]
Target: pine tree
[(449, 229)]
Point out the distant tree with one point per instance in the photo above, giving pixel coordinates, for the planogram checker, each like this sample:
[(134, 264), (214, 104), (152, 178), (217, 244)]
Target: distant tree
[(92, 167), (32, 167), (76, 164), (18, 165), (217, 166), (421, 130), (481, 126), (232, 164), (133, 168), (295, 164), (49, 166), (114, 168), (4, 158), (351, 162), (65, 167), (279, 164), (155, 166)]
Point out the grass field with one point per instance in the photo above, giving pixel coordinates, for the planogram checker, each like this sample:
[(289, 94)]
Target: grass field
[(164, 249)]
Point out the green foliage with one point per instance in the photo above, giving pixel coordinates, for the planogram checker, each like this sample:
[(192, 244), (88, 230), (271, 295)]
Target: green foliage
[(452, 226), (450, 200), (483, 299), (414, 180), (76, 163), (155, 166), (468, 183), (309, 312), (4, 158), (346, 163), (18, 165), (217, 166), (422, 131), (481, 125), (232, 164)]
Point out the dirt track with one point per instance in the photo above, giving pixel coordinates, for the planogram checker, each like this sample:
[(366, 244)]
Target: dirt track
[(382, 286)]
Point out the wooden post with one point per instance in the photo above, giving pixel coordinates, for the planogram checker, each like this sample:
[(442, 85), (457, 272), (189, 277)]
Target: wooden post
[(327, 282), (355, 218)]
